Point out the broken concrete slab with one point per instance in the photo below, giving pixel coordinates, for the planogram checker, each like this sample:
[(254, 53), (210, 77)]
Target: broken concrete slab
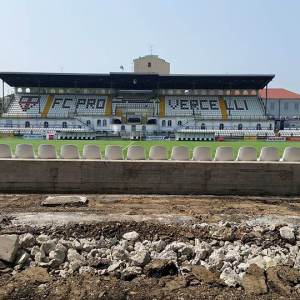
[(65, 201), (9, 245)]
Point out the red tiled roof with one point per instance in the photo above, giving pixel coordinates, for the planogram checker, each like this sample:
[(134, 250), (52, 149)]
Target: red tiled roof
[(278, 94)]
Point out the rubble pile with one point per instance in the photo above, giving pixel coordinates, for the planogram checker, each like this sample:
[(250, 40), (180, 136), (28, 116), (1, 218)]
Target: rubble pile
[(258, 260)]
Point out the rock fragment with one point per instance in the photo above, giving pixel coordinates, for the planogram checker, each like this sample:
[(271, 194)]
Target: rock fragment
[(254, 281), (9, 245)]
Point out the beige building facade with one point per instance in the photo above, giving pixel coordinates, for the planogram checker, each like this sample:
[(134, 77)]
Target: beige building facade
[(151, 64)]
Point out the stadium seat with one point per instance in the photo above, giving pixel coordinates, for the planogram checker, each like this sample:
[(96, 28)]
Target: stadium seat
[(224, 154), (69, 152), (113, 153), (5, 151), (91, 152), (24, 151), (180, 153), (158, 153), (136, 153), (269, 154), (247, 154), (47, 152), (201, 154), (291, 154)]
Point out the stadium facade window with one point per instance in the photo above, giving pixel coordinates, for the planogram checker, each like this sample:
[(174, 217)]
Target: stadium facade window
[(240, 126), (149, 64), (203, 126), (99, 123), (123, 127), (286, 106), (151, 122), (64, 124), (27, 124), (169, 123), (221, 126), (258, 126), (163, 123), (179, 123), (272, 106), (117, 121), (296, 105), (88, 122), (46, 124), (104, 123)]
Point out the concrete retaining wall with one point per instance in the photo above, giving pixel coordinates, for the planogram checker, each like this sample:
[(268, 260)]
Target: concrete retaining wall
[(150, 177)]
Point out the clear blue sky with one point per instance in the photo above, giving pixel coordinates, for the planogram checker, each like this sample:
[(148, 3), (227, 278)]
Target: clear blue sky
[(195, 36)]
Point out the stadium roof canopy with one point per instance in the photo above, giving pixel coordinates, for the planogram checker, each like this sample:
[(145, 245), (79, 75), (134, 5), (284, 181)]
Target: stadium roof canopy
[(135, 81)]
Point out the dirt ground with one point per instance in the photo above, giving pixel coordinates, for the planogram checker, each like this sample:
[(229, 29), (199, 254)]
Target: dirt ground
[(115, 212), (203, 208)]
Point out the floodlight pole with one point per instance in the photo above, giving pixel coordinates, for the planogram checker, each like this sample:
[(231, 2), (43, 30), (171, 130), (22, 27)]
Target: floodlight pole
[(266, 100), (2, 109)]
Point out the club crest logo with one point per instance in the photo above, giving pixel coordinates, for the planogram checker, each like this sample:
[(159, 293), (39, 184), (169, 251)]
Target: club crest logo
[(27, 103)]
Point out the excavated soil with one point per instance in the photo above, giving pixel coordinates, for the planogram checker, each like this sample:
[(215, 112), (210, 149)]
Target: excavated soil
[(152, 217)]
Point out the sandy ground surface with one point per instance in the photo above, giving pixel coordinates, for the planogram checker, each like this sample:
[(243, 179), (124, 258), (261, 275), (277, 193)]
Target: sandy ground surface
[(201, 209), (116, 214)]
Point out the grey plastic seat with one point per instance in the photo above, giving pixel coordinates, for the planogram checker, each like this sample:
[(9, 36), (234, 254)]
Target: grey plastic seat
[(180, 153), (247, 154), (113, 152), (224, 153), (47, 152), (91, 152), (136, 153), (291, 154), (158, 153), (201, 154), (268, 154), (24, 151), (69, 152), (5, 151)]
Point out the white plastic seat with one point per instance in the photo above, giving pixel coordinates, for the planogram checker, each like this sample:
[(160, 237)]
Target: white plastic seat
[(47, 152), (69, 152), (113, 152), (91, 152), (268, 154), (136, 153), (201, 154), (291, 154), (247, 154), (224, 153), (5, 151), (180, 153), (24, 151), (158, 153)]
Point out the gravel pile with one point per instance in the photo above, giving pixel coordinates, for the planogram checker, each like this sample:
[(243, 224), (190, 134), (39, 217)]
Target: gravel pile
[(254, 263)]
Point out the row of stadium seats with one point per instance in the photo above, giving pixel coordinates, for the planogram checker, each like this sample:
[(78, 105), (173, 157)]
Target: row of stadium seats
[(232, 132), (215, 107), (290, 132), (134, 152), (58, 105), (39, 130)]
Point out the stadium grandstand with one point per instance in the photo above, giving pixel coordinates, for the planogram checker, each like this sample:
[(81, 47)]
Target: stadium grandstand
[(145, 105)]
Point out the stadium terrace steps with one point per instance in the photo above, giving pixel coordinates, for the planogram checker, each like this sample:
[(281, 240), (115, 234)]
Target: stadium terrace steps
[(47, 107), (108, 107), (223, 109), (162, 107)]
